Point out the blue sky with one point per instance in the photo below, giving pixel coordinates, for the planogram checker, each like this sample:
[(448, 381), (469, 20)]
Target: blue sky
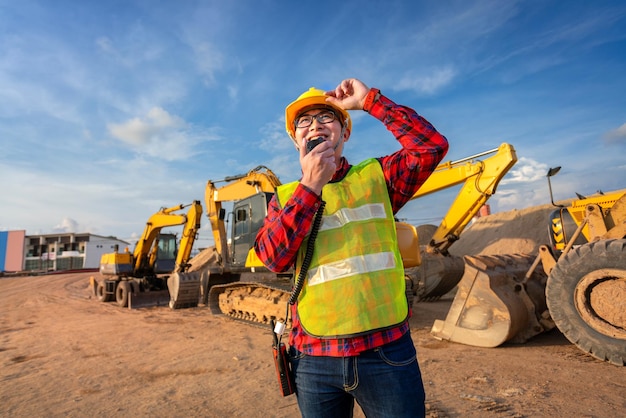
[(112, 110)]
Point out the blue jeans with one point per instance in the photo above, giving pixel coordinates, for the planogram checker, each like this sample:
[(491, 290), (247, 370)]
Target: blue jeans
[(386, 382)]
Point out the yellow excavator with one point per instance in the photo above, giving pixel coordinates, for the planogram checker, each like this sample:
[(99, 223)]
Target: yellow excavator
[(580, 287), (239, 286), (140, 278), (233, 258)]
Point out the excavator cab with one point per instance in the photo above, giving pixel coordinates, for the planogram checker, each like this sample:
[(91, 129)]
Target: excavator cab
[(121, 263), (167, 249), (248, 215)]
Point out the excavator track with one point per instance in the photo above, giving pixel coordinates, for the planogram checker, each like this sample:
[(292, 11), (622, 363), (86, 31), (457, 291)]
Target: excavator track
[(249, 302)]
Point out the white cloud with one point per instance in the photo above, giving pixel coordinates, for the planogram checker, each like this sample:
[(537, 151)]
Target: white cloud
[(427, 84), (68, 225), (141, 132), (518, 198), (105, 44), (233, 93), (159, 134), (525, 171), (136, 44)]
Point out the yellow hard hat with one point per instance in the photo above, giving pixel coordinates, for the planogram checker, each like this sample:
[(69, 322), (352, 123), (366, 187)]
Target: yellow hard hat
[(312, 97)]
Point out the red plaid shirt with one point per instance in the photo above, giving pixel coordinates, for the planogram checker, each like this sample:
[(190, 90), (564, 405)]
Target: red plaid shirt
[(405, 171)]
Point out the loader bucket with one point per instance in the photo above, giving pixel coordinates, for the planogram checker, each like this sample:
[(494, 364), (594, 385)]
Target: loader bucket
[(494, 303), (184, 289)]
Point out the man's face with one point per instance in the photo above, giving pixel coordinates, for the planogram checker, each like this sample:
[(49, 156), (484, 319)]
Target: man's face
[(324, 123)]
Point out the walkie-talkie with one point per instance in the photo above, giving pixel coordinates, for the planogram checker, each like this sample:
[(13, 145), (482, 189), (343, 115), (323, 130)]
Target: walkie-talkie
[(313, 143), (283, 371)]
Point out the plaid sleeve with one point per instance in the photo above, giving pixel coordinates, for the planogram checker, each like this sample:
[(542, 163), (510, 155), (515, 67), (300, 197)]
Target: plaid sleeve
[(284, 229), (422, 149)]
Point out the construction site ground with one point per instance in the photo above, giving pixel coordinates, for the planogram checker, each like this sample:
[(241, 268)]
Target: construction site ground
[(62, 353)]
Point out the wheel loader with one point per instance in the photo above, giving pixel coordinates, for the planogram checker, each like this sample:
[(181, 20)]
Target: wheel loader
[(236, 283), (141, 278), (577, 284)]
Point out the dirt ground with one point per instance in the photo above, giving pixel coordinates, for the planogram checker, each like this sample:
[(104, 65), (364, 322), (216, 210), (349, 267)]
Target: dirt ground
[(62, 353), (65, 354)]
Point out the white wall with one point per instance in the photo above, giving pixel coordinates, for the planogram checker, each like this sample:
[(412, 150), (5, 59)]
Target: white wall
[(94, 250)]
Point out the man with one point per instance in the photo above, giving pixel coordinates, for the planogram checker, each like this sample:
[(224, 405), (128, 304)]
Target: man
[(350, 335)]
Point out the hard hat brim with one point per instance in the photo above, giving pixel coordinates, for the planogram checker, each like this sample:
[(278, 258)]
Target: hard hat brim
[(299, 105)]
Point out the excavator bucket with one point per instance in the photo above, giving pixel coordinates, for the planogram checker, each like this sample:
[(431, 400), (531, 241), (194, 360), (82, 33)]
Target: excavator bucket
[(184, 289), (499, 299)]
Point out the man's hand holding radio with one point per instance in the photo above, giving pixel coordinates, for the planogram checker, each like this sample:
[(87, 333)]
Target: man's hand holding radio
[(318, 166)]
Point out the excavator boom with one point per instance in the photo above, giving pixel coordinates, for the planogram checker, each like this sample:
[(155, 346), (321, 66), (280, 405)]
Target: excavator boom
[(479, 178), (188, 238), (257, 180), (145, 253)]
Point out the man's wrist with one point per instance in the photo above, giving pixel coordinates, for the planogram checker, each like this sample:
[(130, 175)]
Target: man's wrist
[(372, 96)]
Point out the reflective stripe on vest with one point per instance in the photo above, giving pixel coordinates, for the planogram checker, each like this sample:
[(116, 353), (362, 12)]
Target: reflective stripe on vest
[(355, 283)]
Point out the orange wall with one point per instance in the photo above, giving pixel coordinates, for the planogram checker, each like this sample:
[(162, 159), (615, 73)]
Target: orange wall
[(15, 251)]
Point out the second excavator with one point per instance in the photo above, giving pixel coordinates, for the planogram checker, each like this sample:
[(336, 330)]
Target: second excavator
[(139, 278), (232, 260)]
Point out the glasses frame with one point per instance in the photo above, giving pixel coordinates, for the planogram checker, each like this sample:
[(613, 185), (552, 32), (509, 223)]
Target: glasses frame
[(317, 117)]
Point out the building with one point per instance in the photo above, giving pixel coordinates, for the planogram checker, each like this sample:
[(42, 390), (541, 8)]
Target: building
[(51, 252)]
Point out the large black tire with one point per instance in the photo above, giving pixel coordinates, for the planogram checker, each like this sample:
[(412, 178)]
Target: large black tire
[(121, 293), (100, 293), (585, 294)]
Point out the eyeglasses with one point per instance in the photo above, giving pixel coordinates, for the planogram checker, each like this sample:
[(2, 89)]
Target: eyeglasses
[(305, 121)]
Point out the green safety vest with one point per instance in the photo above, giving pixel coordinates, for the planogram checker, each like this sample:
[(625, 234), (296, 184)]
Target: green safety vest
[(355, 283)]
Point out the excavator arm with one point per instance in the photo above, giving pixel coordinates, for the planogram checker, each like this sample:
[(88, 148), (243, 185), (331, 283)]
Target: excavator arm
[(479, 179), (259, 179), (145, 252), (190, 233)]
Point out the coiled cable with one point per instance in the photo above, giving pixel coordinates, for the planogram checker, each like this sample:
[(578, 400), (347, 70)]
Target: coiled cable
[(308, 255)]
